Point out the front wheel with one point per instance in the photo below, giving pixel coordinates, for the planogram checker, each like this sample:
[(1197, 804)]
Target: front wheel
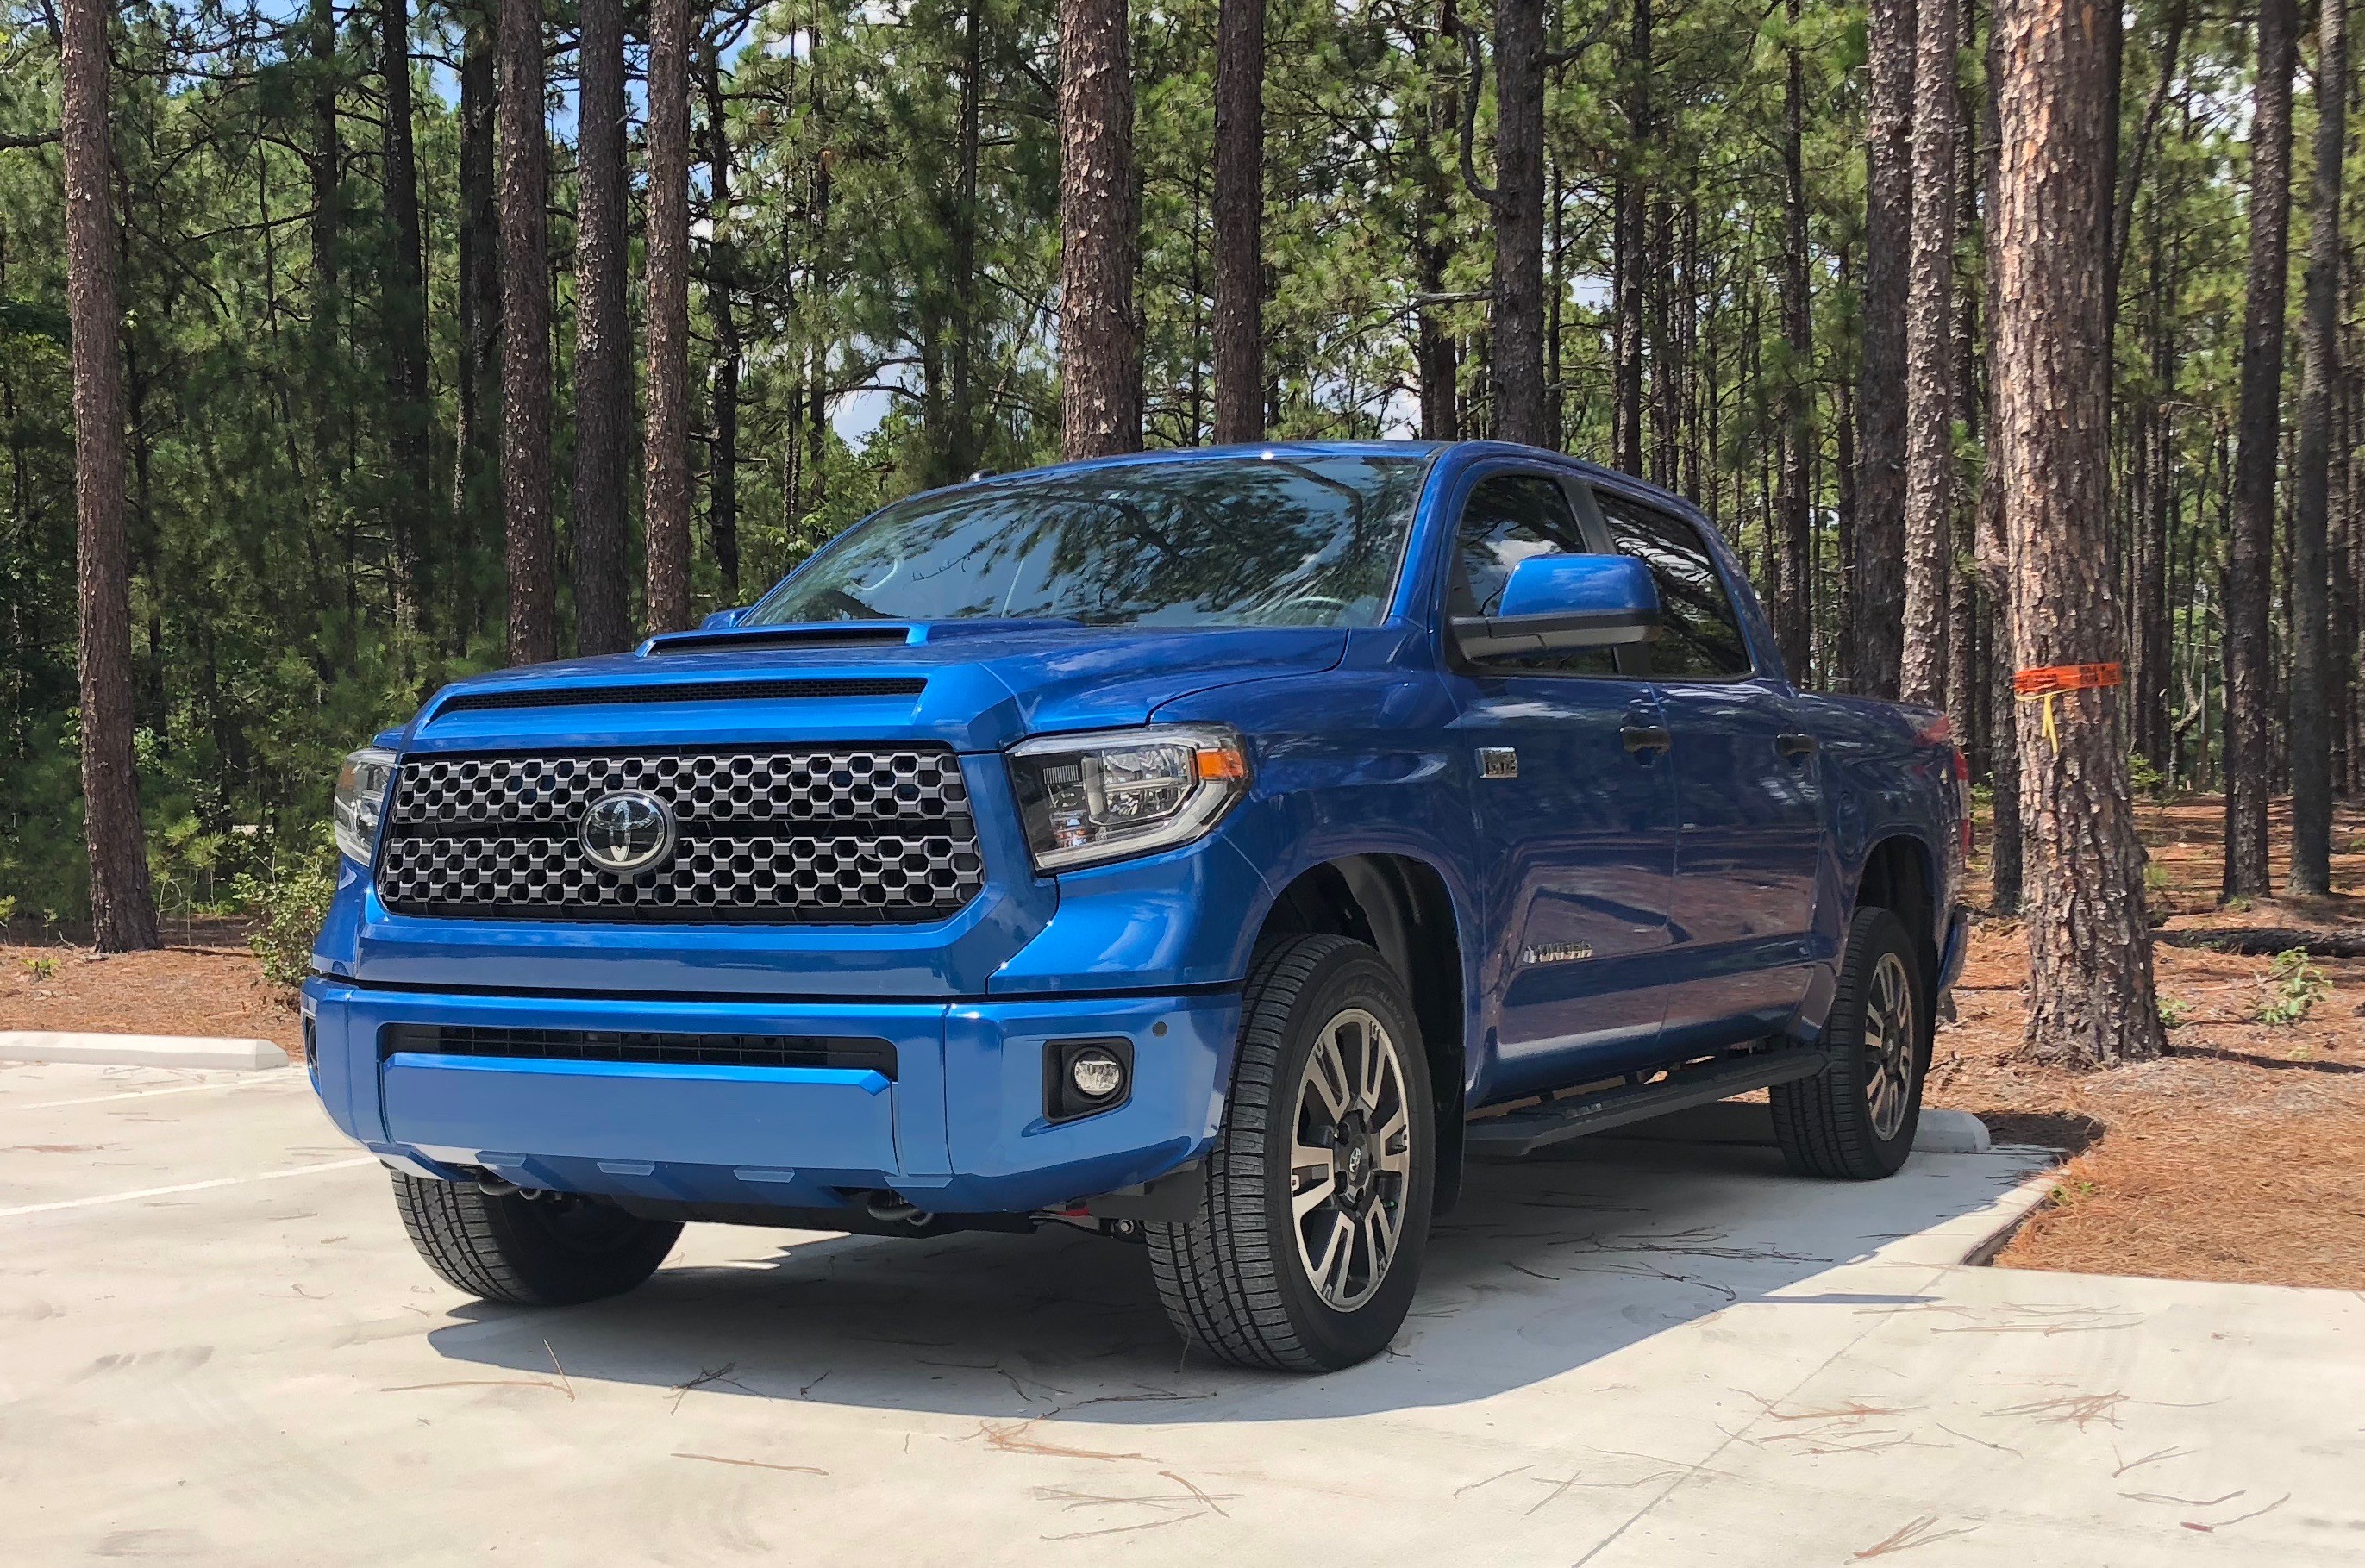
[(1304, 1254), (543, 1251), (1857, 1118)]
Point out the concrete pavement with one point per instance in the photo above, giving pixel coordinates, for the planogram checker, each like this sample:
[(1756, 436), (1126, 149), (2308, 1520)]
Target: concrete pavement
[(216, 1347)]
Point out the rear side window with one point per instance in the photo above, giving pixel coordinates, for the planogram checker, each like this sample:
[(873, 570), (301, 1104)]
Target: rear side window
[(1508, 518), (1700, 635)]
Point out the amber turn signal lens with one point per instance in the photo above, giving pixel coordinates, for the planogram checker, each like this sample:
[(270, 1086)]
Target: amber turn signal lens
[(1223, 764)]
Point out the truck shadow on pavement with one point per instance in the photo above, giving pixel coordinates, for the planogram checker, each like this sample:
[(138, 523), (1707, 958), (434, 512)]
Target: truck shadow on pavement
[(1549, 1264)]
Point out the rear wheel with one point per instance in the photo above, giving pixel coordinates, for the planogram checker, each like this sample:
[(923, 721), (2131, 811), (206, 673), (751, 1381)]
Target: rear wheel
[(1857, 1118), (542, 1251), (1307, 1251)]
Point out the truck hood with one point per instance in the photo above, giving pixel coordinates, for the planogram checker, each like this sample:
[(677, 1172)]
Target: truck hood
[(977, 685)]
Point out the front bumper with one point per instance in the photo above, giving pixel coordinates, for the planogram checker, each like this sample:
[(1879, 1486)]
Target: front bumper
[(958, 1129)]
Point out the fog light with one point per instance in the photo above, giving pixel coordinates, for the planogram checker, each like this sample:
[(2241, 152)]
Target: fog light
[(1086, 1077), (1096, 1074)]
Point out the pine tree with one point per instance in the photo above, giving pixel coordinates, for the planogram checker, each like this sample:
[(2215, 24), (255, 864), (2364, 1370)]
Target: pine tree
[(2249, 561), (2090, 998), (666, 517), (603, 339), (123, 913), (1100, 342), (525, 339)]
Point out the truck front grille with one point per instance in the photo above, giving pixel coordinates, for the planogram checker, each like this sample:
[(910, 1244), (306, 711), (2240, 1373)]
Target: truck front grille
[(637, 1045), (835, 836)]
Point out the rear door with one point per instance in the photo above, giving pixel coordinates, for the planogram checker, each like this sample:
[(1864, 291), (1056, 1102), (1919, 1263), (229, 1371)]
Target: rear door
[(1748, 793), (1577, 832)]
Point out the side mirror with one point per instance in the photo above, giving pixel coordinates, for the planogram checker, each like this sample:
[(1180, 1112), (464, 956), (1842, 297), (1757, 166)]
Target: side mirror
[(1566, 602), (724, 620)]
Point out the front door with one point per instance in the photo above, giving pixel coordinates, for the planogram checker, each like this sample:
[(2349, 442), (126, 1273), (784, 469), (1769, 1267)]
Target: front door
[(1575, 806)]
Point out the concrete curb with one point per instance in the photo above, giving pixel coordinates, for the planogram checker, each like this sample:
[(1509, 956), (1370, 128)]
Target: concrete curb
[(138, 1050), (1741, 1121)]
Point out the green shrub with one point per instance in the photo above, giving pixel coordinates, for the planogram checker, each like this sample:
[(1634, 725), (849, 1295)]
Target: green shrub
[(2299, 985), (288, 898)]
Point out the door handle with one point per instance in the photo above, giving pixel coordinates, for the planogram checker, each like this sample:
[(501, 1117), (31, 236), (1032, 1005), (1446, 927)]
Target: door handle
[(1646, 737), (1796, 745)]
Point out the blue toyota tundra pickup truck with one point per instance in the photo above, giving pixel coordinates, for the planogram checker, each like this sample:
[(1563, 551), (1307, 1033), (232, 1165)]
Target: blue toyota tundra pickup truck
[(1217, 847)]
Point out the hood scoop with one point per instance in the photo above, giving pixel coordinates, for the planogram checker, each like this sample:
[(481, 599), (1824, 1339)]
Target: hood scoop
[(735, 639), (681, 692)]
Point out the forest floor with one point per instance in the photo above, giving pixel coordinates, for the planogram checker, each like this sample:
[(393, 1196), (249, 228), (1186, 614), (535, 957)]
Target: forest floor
[(2237, 1156)]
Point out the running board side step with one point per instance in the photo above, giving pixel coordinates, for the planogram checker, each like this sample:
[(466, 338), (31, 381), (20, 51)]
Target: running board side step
[(1533, 1128)]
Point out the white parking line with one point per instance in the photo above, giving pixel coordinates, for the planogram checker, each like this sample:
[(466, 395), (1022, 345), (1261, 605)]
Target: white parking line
[(126, 1094), (185, 1187)]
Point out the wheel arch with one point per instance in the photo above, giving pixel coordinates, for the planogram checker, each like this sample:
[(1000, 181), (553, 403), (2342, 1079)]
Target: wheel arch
[(1401, 906), (1900, 875)]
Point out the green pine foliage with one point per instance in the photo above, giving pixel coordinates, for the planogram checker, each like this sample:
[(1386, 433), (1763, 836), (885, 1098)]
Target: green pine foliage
[(898, 319)]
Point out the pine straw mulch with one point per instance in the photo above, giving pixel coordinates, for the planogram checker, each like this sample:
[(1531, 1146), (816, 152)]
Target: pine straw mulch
[(2240, 1156), (207, 984), (2235, 1157)]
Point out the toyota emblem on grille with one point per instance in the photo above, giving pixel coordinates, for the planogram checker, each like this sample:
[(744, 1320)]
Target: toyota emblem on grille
[(628, 831)]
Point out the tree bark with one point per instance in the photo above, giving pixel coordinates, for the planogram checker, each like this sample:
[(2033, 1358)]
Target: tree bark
[(1239, 327), (122, 912), (405, 308), (1516, 356), (722, 479), (2311, 694), (1929, 355), (1434, 352), (603, 340), (1793, 603), (1627, 242), (2091, 1000), (525, 339), (1100, 343), (666, 514), (2250, 551), (1876, 608), (476, 473)]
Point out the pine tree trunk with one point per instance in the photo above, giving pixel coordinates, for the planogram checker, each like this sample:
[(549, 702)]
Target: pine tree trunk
[(1433, 349), (1876, 611), (476, 475), (2091, 1000), (722, 480), (964, 444), (122, 912), (666, 513), (2250, 551), (603, 340), (1239, 327), (1793, 622), (525, 339), (405, 306), (1628, 243), (1929, 355), (1517, 354), (2311, 693), (1100, 346)]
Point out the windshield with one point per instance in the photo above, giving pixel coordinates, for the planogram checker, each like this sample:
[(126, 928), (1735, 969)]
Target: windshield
[(1212, 541)]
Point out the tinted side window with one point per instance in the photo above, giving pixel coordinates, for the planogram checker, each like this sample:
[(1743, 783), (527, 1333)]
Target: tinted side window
[(1508, 519), (1701, 635)]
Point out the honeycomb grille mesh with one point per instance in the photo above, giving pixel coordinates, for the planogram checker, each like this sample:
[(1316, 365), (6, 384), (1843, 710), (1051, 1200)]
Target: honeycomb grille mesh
[(835, 835)]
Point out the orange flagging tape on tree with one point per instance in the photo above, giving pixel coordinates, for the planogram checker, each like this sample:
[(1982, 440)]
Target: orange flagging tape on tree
[(2049, 681)]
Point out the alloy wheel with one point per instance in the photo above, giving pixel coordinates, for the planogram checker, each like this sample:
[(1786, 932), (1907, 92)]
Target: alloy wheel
[(1350, 1159)]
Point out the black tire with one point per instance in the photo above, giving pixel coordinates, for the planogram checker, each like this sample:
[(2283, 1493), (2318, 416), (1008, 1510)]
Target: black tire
[(1237, 1279), (544, 1252), (1834, 1124)]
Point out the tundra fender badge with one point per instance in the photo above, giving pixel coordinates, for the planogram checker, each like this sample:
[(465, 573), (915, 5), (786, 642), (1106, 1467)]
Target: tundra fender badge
[(1498, 762), (1557, 953), (628, 831)]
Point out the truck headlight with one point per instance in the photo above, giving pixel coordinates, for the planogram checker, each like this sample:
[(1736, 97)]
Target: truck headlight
[(1103, 796), (361, 798)]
